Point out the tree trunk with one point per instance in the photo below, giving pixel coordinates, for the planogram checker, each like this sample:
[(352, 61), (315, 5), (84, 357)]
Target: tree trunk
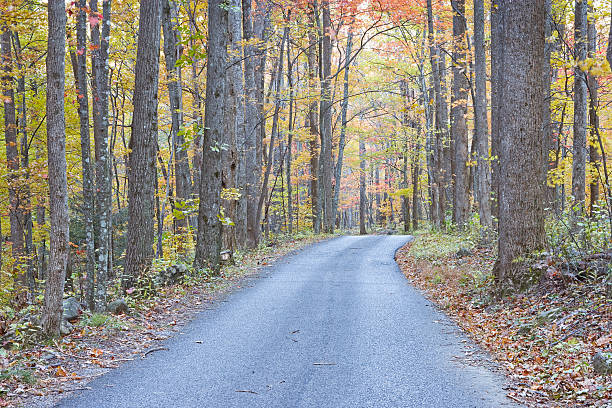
[(172, 51), (362, 187), (497, 27), (79, 65), (594, 155), (580, 106), (100, 92), (326, 160), (522, 178), (458, 115), (290, 139), (142, 170), (58, 181), (252, 125), (343, 120), (13, 166), (208, 245), (313, 121), (481, 122)]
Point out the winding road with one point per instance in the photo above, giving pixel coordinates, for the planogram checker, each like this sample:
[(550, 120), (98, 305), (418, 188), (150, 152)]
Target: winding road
[(334, 325)]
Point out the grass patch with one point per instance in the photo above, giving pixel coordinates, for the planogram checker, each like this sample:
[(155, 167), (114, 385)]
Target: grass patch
[(102, 320), (433, 245)]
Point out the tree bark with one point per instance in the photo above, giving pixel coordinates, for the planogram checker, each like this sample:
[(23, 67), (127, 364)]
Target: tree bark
[(313, 122), (343, 120), (58, 181), (580, 106), (594, 154), (362, 187), (79, 65), (497, 49), (458, 115), (481, 122), (208, 245), (173, 51), (326, 160), (143, 145), (522, 178), (100, 37)]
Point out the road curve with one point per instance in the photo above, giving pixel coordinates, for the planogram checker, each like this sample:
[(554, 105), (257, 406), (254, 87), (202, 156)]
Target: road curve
[(335, 325)]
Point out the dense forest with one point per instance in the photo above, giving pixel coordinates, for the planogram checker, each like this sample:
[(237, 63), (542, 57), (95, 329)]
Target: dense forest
[(138, 135)]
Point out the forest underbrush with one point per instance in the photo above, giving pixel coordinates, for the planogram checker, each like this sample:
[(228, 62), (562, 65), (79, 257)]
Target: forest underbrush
[(547, 339)]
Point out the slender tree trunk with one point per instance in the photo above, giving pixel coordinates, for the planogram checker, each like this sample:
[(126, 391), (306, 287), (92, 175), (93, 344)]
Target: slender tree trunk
[(143, 145), (13, 166), (252, 126), (497, 49), (343, 120), (100, 37), (594, 155), (362, 187), (326, 121), (208, 245), (79, 65), (236, 73), (480, 116), (290, 138), (580, 106), (172, 51), (313, 121), (522, 178), (58, 181)]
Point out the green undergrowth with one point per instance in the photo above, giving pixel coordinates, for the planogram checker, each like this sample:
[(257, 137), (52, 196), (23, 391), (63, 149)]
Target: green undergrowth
[(432, 245)]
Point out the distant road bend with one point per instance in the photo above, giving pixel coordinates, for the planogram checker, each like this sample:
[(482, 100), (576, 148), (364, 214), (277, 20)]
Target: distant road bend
[(335, 325)]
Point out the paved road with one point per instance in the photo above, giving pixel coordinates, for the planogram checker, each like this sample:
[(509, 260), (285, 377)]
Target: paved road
[(335, 325)]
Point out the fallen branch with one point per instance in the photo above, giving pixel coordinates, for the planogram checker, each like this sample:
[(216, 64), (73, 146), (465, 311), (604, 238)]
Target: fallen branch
[(153, 350)]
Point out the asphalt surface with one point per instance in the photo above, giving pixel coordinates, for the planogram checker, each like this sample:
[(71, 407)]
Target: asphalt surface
[(335, 325)]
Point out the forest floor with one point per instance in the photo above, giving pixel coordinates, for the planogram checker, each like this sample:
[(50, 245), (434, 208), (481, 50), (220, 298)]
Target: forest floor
[(545, 338), (40, 374)]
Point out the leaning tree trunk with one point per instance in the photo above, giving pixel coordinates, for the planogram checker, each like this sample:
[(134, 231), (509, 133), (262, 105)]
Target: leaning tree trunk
[(58, 181), (458, 115), (481, 123), (522, 176), (208, 245), (143, 145)]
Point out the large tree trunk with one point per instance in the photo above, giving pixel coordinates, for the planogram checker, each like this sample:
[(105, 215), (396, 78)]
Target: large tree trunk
[(458, 115), (208, 245), (343, 120), (100, 92), (326, 160), (79, 65), (481, 122), (58, 181), (522, 177), (580, 106), (172, 51), (143, 145)]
